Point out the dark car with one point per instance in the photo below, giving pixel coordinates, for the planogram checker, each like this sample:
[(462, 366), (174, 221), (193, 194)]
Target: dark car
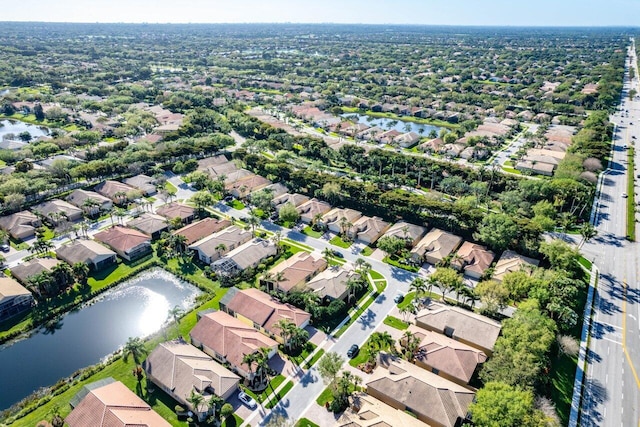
[(4, 248), (353, 351), (337, 254)]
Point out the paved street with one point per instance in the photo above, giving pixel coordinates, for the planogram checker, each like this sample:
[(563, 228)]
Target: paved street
[(612, 390)]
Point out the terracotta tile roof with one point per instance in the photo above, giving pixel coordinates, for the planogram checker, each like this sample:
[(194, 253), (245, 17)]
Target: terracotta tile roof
[(149, 223), (121, 239), (229, 337), (414, 232), (201, 229), (83, 251), (10, 288), (181, 367), (295, 269), (473, 258), (367, 411), (111, 188), (17, 222), (437, 244), (449, 356), (512, 261), (465, 325), (114, 405), (332, 282), (264, 310), (176, 210), (25, 270), (427, 394)]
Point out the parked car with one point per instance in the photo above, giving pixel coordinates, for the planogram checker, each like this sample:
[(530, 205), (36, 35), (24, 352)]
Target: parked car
[(4, 247), (398, 298), (247, 400), (337, 254), (624, 195), (353, 351)]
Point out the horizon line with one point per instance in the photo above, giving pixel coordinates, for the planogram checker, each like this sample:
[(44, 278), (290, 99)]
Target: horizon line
[(599, 26)]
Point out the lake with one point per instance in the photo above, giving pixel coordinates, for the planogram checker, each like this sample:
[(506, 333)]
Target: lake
[(16, 127), (387, 124), (138, 307)]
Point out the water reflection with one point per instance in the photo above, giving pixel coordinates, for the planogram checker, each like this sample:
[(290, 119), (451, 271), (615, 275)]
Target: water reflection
[(138, 307)]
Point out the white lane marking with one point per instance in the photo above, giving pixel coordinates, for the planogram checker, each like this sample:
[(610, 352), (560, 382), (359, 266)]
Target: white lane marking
[(611, 340)]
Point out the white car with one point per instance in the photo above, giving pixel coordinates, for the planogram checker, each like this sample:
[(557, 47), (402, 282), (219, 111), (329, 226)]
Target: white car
[(247, 400)]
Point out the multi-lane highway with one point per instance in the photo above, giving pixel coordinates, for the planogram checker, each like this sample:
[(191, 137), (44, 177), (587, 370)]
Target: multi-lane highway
[(611, 396)]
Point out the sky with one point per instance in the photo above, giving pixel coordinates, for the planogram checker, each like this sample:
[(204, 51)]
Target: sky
[(425, 12)]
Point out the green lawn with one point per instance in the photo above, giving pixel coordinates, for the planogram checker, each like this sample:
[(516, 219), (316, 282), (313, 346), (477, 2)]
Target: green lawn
[(171, 189), (397, 263), (375, 275), (408, 299), (234, 421), (325, 396), (631, 197), (311, 233), (18, 245), (366, 251), (283, 391), (394, 322), (585, 263), (48, 234), (273, 384), (237, 204), (314, 359), (303, 422), (563, 371), (301, 355), (337, 241)]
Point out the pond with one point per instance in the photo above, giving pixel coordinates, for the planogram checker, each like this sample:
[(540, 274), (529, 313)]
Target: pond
[(389, 124), (16, 127), (138, 307)]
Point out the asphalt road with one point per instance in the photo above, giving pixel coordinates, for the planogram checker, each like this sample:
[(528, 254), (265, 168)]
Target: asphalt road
[(611, 395)]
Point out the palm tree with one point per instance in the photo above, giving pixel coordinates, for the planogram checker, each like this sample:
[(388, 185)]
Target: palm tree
[(253, 222), (134, 348), (196, 400), (299, 337), (276, 239), (120, 197), (379, 341), (588, 232), (345, 226), (80, 272), (407, 310), (220, 249), (214, 404), (316, 219), (90, 206), (175, 313), (410, 344), (354, 285), (327, 254), (286, 328), (262, 364), (250, 360)]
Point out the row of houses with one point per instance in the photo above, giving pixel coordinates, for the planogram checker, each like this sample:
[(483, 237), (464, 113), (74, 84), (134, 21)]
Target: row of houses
[(453, 344), (545, 158)]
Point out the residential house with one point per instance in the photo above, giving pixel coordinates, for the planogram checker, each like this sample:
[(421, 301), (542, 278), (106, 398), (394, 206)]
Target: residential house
[(473, 259), (451, 359), (14, 298), (20, 225), (217, 167), (215, 246), (295, 199), (461, 325), (109, 403), (118, 192), (228, 340), (276, 190), (179, 369), (261, 310), (150, 224), (296, 271), (177, 210), (407, 140), (411, 233), (98, 203), (432, 146), (57, 211), (407, 387), (435, 247), (25, 270), (387, 137), (244, 257), (311, 208), (337, 219), (144, 183), (87, 252), (201, 229), (368, 229), (452, 150), (512, 261), (242, 187), (331, 284), (127, 242), (367, 411)]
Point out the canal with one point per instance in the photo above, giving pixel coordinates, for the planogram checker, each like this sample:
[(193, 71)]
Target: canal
[(138, 307)]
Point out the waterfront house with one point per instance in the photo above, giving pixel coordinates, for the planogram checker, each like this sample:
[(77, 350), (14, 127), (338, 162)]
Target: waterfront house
[(126, 242), (89, 252)]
